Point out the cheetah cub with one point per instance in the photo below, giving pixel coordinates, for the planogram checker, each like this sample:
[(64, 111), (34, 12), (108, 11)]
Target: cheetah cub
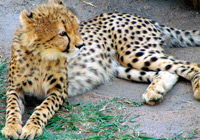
[(46, 40)]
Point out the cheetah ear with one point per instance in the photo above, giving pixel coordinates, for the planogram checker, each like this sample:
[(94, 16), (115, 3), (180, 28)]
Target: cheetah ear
[(26, 17), (60, 2)]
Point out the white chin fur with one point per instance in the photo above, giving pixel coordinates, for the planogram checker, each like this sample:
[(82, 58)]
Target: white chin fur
[(74, 54), (53, 54)]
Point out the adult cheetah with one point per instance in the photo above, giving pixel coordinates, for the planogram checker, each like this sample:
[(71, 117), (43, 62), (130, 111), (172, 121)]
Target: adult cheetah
[(116, 45), (131, 47)]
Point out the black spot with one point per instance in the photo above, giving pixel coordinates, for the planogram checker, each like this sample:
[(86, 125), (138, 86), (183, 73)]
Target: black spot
[(120, 42), (183, 70), (134, 60), (168, 67), (129, 76), (145, 69), (187, 33), (139, 54), (137, 32), (53, 101), (128, 46), (163, 57), (140, 77), (128, 69), (92, 50), (178, 32), (131, 27), (154, 45), (24, 83), (53, 81), (49, 77), (58, 86), (128, 52), (46, 103), (192, 40), (129, 65), (108, 49), (137, 42), (149, 29), (148, 38), (133, 22), (142, 73), (147, 63), (61, 79), (146, 22), (153, 59), (30, 82), (122, 58), (119, 31), (140, 38), (144, 32), (158, 69), (125, 39), (139, 26), (37, 114)]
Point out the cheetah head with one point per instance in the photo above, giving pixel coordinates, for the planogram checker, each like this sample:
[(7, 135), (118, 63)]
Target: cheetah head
[(53, 29)]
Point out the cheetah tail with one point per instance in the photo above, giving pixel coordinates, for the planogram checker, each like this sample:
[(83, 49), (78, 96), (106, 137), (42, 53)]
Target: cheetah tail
[(179, 38)]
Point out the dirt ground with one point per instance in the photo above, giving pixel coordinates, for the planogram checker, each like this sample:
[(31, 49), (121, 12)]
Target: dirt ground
[(179, 111)]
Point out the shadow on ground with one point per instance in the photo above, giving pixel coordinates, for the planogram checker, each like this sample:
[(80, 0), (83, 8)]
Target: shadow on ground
[(178, 111)]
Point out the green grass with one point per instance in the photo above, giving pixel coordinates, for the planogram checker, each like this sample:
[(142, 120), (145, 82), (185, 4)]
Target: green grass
[(93, 121), (3, 77), (101, 120), (3, 84)]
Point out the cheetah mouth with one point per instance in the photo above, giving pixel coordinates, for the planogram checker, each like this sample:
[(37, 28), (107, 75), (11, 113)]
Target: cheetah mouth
[(67, 49)]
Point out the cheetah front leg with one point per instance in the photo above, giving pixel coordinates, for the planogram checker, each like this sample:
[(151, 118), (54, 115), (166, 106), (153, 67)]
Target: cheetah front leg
[(14, 110), (190, 71), (160, 85), (161, 82), (196, 85), (34, 126)]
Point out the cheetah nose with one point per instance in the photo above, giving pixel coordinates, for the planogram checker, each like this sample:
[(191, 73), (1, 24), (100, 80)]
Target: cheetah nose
[(80, 45)]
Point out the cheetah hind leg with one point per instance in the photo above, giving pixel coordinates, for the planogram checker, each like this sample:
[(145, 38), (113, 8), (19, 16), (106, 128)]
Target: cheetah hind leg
[(161, 82), (196, 85), (160, 85)]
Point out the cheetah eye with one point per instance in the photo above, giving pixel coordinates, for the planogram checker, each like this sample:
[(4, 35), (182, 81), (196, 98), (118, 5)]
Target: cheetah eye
[(63, 33)]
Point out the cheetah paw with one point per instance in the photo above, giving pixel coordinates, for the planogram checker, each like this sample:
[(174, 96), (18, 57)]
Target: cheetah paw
[(152, 98), (162, 83), (197, 94), (30, 131), (196, 86), (12, 131)]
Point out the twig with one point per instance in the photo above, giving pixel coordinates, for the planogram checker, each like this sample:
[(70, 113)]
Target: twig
[(186, 101), (89, 3)]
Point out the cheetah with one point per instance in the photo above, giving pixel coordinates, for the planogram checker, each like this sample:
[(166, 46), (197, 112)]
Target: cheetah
[(132, 48), (42, 47), (116, 45)]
